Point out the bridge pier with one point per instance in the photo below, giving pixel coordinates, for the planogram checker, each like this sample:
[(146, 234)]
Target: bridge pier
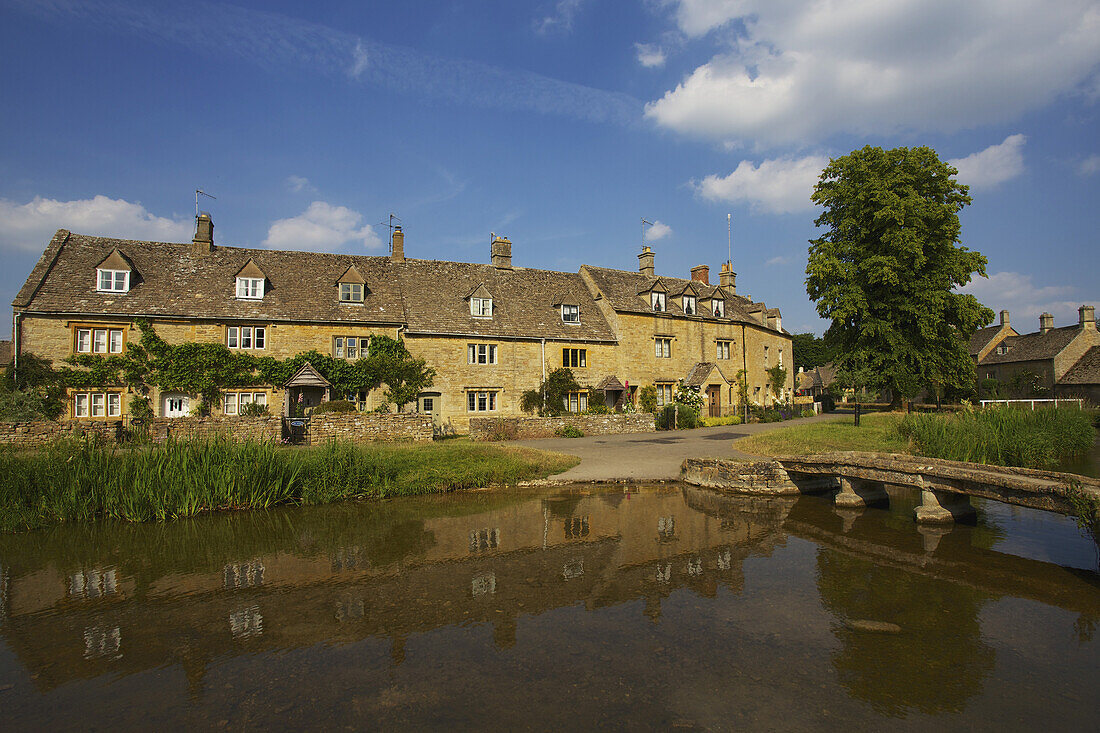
[(857, 492), (942, 507)]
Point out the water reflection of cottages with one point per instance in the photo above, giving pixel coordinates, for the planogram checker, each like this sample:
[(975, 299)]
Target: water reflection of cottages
[(314, 584)]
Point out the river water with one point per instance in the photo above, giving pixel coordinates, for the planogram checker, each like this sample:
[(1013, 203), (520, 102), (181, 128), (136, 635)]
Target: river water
[(566, 608)]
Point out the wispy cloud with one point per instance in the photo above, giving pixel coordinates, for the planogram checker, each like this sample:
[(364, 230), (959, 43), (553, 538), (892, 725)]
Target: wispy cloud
[(322, 228), (297, 184), (1018, 293), (779, 260), (659, 230), (779, 186), (650, 55), (993, 166), (1089, 166), (270, 40), (27, 227), (561, 19)]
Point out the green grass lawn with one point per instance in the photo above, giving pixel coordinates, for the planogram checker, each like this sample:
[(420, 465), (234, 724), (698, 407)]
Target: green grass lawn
[(877, 433)]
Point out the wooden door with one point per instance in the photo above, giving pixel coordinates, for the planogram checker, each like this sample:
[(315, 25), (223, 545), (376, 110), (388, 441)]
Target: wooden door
[(714, 400)]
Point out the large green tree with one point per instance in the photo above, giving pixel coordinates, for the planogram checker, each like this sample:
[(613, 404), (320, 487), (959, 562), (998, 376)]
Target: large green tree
[(885, 269), (810, 351)]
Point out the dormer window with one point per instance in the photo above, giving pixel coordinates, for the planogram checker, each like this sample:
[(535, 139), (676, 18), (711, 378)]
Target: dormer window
[(658, 301), (689, 305), (719, 308), (351, 292), (250, 288), (113, 281), (571, 313), (481, 307)]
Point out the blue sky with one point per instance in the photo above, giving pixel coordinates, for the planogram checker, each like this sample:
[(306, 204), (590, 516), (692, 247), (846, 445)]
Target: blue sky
[(559, 124)]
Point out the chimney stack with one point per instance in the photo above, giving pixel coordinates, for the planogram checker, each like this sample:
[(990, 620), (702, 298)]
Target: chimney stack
[(727, 278), (397, 245), (203, 242), (500, 253), (645, 262), (1088, 317), (1046, 322), (701, 273), (1004, 319)]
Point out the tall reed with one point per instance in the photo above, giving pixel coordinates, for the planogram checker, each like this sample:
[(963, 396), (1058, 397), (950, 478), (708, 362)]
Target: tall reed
[(84, 480), (1006, 436)]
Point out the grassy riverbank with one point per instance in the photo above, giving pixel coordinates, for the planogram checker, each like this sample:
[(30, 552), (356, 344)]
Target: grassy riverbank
[(1006, 437), (82, 481)]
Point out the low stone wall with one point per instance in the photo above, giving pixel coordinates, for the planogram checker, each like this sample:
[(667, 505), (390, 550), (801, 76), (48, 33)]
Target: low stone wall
[(237, 427), (40, 432), (530, 428), (757, 477), (369, 427)]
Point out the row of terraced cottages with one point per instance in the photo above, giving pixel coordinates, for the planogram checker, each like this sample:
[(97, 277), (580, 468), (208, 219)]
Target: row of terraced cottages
[(491, 331)]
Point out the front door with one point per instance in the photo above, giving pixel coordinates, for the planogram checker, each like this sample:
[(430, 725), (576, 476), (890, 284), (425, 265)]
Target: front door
[(429, 405), (714, 400), (176, 405)]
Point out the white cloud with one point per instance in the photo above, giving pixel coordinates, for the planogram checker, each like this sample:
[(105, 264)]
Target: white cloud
[(360, 61), (561, 18), (650, 55), (780, 186), (993, 166), (27, 227), (657, 231), (780, 260), (796, 72), (1089, 166), (1025, 300), (297, 184), (322, 228)]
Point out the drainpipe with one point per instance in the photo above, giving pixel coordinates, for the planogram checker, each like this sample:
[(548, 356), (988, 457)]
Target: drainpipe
[(543, 371), (15, 346), (745, 368)]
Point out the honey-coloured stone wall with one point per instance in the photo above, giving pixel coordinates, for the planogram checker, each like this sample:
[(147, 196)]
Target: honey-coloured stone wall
[(531, 428), (367, 427)]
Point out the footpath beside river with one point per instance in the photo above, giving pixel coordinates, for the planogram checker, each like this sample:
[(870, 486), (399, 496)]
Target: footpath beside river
[(653, 456)]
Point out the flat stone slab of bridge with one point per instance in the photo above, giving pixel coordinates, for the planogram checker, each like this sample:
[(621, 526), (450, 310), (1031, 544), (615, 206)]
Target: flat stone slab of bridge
[(859, 479)]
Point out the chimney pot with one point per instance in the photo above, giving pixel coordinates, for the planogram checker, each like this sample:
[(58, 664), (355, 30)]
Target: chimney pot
[(1046, 322), (1004, 318), (1088, 317), (500, 253), (397, 245), (701, 273), (727, 278), (645, 262), (203, 241)]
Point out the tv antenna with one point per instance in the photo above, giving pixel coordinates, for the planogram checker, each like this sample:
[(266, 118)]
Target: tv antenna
[(729, 239), (200, 192), (644, 222)]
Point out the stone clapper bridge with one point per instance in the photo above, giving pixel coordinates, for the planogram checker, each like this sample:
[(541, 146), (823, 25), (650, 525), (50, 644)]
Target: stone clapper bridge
[(860, 479)]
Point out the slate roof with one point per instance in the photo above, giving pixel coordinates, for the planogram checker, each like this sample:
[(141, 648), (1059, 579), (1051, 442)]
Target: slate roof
[(1034, 346), (428, 296), (819, 377), (698, 376), (173, 282), (626, 292), (982, 337), (436, 292), (1086, 370)]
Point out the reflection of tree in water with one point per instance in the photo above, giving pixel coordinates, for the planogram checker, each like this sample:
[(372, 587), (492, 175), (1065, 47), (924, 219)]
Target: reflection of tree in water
[(938, 660)]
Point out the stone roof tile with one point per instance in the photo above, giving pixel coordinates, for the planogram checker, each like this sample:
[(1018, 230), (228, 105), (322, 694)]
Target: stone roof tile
[(1086, 370)]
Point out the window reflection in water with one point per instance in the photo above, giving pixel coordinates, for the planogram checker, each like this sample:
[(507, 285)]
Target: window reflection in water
[(695, 566), (664, 572), (576, 527), (246, 622), (93, 583), (573, 569), (102, 642), (347, 558), (350, 609), (484, 539), (724, 560), (666, 529), (483, 584), (244, 575)]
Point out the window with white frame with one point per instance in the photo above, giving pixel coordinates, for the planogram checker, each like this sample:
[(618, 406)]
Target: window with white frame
[(575, 401), (574, 358), (657, 300), (481, 353), (689, 305), (112, 281), (351, 292), (99, 341), (349, 347), (664, 393), (719, 308), (246, 337), (485, 401), (235, 402), (250, 288), (723, 350), (481, 307), (571, 313), (663, 348), (97, 404)]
